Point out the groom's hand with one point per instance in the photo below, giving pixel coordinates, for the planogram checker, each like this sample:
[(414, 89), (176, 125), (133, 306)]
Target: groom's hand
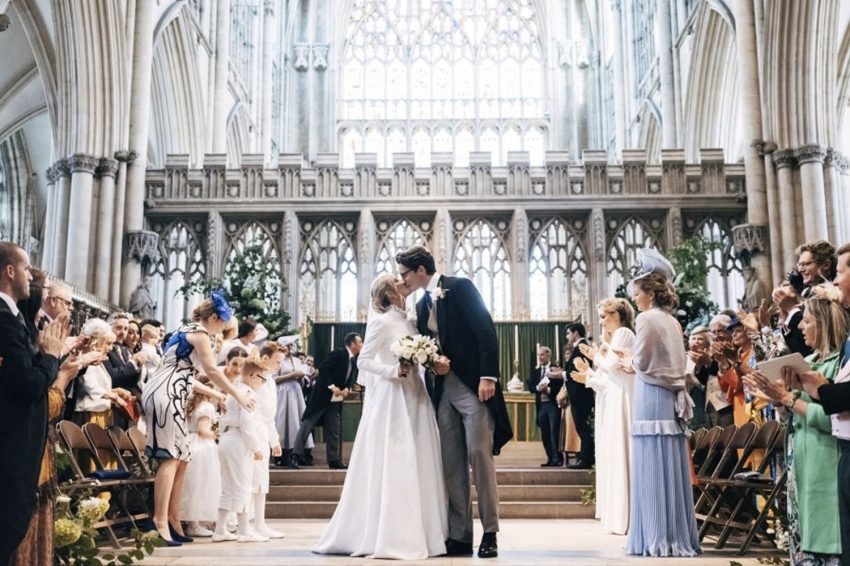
[(486, 390)]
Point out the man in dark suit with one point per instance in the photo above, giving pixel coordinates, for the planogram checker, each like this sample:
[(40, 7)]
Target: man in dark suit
[(337, 374), (545, 385), (124, 368), (581, 398), (471, 412), (25, 375)]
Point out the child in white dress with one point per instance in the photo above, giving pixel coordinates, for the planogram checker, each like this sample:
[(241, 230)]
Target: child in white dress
[(240, 444), (202, 486)]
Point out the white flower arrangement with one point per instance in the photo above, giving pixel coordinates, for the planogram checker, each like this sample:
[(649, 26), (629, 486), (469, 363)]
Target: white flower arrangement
[(439, 293), (416, 350)]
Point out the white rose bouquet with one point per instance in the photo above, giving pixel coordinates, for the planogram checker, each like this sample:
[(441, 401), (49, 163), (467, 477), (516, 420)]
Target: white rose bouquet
[(416, 350)]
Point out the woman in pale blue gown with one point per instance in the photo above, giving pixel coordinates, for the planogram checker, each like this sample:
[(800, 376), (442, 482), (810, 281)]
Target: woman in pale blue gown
[(663, 522)]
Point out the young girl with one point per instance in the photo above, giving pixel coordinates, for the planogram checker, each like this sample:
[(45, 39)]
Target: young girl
[(202, 487), (234, 361), (239, 446)]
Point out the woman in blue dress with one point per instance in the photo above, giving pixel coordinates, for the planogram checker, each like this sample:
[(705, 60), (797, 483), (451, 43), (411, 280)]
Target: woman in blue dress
[(662, 503), (188, 353)]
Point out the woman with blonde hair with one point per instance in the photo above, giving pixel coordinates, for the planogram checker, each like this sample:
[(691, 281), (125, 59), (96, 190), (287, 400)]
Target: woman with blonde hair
[(187, 353), (811, 451), (614, 386), (393, 502)]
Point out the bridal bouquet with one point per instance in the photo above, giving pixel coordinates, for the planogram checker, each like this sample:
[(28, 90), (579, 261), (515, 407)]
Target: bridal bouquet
[(416, 350)]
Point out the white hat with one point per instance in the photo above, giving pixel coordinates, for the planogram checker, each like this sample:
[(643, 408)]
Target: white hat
[(262, 333), (650, 261), (287, 340)]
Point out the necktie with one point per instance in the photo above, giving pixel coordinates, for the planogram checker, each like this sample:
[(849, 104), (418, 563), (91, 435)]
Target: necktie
[(426, 300)]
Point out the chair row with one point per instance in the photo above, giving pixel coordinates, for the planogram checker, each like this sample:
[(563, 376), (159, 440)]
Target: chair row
[(740, 481), (119, 467)]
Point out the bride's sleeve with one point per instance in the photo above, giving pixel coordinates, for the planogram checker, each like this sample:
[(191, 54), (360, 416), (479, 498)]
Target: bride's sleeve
[(367, 361)]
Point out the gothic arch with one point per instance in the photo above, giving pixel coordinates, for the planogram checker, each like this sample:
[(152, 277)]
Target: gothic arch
[(238, 135), (649, 136)]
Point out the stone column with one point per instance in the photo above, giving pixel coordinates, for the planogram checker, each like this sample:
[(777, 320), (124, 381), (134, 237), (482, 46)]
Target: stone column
[(619, 76), (49, 245), (365, 261), (664, 48), (290, 244), (773, 212), (140, 97), (269, 51), (215, 244), (222, 59), (77, 254), (597, 274), (124, 158), (63, 204), (520, 307), (106, 170), (442, 246), (784, 161), (674, 226), (832, 194), (811, 158)]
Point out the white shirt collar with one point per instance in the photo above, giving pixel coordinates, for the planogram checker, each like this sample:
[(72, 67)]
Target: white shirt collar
[(791, 314), (350, 355), (12, 306), (435, 280)]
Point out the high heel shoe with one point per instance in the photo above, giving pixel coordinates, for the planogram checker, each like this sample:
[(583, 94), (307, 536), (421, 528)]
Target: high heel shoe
[(178, 537)]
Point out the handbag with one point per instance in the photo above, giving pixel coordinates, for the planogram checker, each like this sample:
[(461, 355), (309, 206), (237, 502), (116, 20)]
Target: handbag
[(131, 411)]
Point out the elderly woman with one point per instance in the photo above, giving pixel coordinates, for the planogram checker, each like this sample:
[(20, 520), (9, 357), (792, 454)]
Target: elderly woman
[(812, 451), (614, 386), (662, 520)]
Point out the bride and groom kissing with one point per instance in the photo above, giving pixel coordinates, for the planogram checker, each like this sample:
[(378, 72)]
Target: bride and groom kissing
[(407, 490)]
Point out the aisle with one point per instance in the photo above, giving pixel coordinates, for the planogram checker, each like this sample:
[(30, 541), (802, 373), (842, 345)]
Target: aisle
[(522, 542)]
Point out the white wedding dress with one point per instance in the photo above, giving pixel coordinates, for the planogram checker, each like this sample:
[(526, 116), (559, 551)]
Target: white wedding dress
[(393, 503)]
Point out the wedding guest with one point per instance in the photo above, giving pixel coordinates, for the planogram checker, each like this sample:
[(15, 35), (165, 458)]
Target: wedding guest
[(581, 397), (811, 450), (58, 300), (718, 410), (133, 338), (545, 386), (815, 265), (151, 348), (202, 485), (233, 366), (188, 352), (271, 355), (291, 404), (696, 373), (661, 517), (614, 387), (122, 366), (241, 444), (735, 361), (337, 373), (786, 299), (245, 338), (25, 377)]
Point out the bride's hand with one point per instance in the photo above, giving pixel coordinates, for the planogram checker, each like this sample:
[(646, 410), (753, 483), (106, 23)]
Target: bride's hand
[(442, 365), (404, 369)]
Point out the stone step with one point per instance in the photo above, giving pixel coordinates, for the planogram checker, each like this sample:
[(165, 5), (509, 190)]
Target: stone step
[(320, 476), (507, 510), (507, 493)]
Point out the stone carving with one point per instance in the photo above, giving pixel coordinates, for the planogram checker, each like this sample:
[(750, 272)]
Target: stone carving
[(106, 168), (83, 163), (784, 158), (320, 57), (143, 246), (598, 233), (750, 239), (5, 22), (302, 57), (812, 153), (520, 230), (142, 305), (675, 216), (755, 290)]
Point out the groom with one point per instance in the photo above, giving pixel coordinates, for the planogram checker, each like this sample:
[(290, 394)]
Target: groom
[(471, 412)]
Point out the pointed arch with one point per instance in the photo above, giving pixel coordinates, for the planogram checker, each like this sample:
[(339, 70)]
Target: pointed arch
[(395, 235), (327, 269), (181, 260), (557, 267), (255, 234), (626, 236), (482, 255)]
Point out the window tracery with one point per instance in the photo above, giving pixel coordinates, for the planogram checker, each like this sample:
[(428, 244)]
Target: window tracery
[(626, 236), (328, 269), (558, 274), (481, 254), (181, 260)]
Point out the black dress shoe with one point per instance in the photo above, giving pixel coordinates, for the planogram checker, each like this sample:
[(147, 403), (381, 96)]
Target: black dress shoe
[(551, 464), (580, 465), (292, 464), (337, 466), (488, 548), (457, 548), (305, 462)]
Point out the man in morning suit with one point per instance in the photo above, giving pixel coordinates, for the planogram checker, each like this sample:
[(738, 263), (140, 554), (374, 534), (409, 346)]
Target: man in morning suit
[(25, 375), (545, 386), (337, 375), (581, 398), (471, 412)]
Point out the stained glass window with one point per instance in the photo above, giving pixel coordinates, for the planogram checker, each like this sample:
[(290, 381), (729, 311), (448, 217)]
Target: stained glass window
[(482, 255), (558, 270), (443, 75), (328, 270)]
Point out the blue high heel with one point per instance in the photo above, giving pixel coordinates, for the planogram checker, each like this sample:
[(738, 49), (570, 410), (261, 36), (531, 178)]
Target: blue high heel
[(177, 537)]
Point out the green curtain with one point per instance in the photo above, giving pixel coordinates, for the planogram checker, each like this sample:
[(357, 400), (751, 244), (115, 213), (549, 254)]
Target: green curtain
[(320, 339)]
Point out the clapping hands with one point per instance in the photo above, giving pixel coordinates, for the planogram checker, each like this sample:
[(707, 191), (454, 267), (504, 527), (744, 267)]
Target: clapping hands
[(587, 350)]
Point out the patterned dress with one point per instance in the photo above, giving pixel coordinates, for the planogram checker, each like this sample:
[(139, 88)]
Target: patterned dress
[(164, 398)]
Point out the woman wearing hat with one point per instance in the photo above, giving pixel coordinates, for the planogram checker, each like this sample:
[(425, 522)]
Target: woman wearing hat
[(187, 353), (662, 520)]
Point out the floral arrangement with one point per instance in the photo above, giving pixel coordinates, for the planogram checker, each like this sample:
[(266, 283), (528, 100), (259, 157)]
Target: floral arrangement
[(75, 532), (416, 350)]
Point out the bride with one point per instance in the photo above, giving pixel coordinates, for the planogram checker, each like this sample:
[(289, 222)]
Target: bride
[(393, 502)]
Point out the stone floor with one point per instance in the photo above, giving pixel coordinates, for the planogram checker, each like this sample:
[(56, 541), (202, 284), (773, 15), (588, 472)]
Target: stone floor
[(521, 542)]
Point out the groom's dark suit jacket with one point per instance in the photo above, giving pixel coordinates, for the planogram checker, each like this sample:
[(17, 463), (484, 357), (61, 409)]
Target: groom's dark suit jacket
[(25, 376), (332, 371), (468, 339)]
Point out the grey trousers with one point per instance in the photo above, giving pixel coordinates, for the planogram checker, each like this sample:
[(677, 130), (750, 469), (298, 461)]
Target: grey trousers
[(466, 436), (333, 419)]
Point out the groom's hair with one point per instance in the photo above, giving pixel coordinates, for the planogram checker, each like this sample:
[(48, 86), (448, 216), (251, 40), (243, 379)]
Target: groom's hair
[(350, 338), (413, 257)]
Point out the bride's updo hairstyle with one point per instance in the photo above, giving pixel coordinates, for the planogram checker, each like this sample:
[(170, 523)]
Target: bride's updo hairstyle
[(380, 292)]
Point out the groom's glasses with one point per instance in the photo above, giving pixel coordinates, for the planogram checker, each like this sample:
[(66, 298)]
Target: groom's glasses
[(403, 274)]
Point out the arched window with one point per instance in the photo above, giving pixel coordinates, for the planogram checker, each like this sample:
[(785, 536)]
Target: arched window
[(626, 236), (254, 235), (558, 269), (725, 279), (439, 62), (328, 270), (180, 261), (482, 255), (396, 236)]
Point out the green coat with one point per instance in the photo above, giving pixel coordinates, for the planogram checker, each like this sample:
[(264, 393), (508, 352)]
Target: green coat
[(816, 469)]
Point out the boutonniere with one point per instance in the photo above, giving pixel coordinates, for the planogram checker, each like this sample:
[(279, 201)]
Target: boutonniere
[(439, 293), (411, 316)]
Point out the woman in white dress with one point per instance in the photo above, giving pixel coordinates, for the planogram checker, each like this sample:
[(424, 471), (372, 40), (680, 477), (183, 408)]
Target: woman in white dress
[(202, 484), (614, 387), (393, 502)]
